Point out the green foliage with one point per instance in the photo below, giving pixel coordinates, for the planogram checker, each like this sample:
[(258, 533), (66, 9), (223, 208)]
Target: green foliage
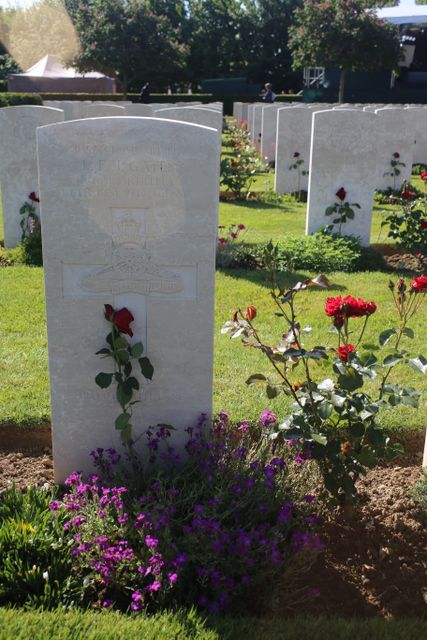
[(35, 560), (31, 239), (121, 352), (126, 40), (409, 225), (420, 495), (135, 97), (323, 252), (189, 625), (345, 34), (8, 66), (17, 99), (335, 421), (238, 169), (339, 33)]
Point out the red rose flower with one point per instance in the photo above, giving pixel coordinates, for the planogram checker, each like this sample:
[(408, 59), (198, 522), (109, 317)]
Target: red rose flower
[(344, 351), (348, 307), (296, 154), (33, 197), (341, 194), (407, 195), (423, 175), (423, 224), (419, 285), (241, 227), (222, 240), (396, 155), (121, 319)]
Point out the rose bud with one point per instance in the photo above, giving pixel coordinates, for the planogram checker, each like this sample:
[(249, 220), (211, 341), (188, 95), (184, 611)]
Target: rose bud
[(396, 155), (391, 285), (108, 311), (296, 154), (33, 197), (235, 316), (345, 448), (341, 194), (250, 313)]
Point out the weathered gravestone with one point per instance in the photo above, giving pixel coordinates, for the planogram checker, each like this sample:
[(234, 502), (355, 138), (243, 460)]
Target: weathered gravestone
[(18, 161), (343, 155), (397, 136), (100, 110), (293, 149), (130, 219)]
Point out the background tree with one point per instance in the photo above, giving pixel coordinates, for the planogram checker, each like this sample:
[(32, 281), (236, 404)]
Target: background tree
[(126, 40), (269, 58), (217, 32), (345, 34)]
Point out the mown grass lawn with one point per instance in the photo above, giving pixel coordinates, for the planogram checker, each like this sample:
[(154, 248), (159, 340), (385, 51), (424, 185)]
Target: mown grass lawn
[(73, 625)]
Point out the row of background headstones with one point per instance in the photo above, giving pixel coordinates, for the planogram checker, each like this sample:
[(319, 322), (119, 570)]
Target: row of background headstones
[(18, 164), (340, 146)]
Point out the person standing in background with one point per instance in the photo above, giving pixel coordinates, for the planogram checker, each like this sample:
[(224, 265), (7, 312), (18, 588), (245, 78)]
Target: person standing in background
[(269, 96)]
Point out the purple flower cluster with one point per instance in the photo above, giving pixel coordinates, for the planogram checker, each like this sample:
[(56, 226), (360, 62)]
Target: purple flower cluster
[(202, 532)]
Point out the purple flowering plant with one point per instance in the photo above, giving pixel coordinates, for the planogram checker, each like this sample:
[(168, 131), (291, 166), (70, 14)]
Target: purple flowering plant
[(209, 527)]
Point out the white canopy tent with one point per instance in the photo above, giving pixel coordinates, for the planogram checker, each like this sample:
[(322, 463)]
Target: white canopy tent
[(50, 75), (406, 12)]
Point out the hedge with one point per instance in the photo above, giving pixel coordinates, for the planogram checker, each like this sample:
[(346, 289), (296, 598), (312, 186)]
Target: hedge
[(17, 99), (133, 97)]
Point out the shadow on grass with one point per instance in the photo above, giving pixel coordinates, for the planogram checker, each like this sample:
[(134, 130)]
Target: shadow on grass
[(287, 280)]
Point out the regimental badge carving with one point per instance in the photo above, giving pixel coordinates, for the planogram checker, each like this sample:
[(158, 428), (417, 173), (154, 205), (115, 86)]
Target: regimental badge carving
[(132, 269)]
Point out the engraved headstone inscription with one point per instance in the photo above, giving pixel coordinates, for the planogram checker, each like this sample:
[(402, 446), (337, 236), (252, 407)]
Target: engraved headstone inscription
[(129, 215)]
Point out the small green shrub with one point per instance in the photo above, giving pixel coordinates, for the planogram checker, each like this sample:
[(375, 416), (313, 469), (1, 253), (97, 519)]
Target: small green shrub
[(35, 561), (420, 495), (322, 252)]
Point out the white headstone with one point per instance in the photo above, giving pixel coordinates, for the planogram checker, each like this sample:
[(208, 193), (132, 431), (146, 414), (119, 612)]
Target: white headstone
[(397, 137), (343, 155), (269, 131), (18, 161), (257, 124), (100, 110), (195, 115), (417, 118), (293, 146), (129, 218), (141, 110)]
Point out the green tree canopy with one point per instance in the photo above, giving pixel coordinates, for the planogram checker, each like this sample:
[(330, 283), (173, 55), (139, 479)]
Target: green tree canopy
[(345, 34), (127, 40)]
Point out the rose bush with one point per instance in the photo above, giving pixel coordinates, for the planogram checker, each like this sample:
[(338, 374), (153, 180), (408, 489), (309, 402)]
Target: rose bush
[(336, 418), (342, 209)]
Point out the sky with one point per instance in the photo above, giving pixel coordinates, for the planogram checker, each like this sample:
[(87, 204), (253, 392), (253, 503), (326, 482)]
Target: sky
[(15, 3)]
